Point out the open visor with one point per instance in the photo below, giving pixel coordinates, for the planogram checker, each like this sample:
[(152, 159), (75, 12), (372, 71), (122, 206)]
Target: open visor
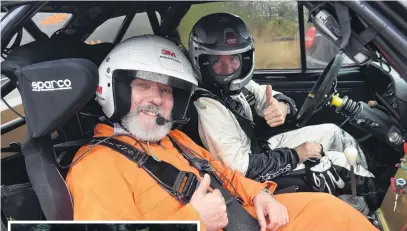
[(230, 71), (182, 90), (225, 64), (130, 75)]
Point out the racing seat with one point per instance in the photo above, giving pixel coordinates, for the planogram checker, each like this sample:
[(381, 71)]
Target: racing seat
[(46, 111), (191, 128), (52, 92), (48, 108)]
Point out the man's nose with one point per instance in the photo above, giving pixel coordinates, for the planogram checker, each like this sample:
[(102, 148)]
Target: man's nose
[(155, 96), (227, 67)]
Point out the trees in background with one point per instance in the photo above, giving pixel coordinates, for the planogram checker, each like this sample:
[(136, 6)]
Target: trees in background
[(271, 19)]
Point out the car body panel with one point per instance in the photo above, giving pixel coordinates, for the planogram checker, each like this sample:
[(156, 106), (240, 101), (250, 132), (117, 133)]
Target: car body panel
[(394, 220)]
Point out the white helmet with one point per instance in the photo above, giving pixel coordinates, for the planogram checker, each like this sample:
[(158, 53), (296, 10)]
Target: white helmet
[(149, 57)]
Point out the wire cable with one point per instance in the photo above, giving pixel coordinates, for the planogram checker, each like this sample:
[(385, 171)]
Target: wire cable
[(12, 109)]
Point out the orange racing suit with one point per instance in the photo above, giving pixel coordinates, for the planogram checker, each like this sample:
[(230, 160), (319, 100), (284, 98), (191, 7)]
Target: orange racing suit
[(105, 185)]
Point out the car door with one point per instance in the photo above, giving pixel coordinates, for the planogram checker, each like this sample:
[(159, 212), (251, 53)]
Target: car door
[(292, 60)]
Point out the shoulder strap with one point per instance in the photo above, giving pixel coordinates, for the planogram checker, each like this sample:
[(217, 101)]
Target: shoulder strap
[(251, 99), (169, 177), (201, 164), (257, 146), (239, 218), (228, 102)]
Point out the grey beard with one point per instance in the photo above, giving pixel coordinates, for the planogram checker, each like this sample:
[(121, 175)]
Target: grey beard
[(148, 130)]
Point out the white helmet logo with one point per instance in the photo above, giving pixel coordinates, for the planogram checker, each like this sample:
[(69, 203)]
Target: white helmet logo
[(99, 90), (168, 53), (228, 78), (231, 41), (52, 85)]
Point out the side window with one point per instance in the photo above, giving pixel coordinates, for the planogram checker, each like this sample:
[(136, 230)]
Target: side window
[(319, 50), (26, 38), (49, 23), (274, 26), (140, 25), (106, 32)]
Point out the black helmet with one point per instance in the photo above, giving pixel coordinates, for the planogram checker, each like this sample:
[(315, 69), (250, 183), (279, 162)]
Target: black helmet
[(222, 51)]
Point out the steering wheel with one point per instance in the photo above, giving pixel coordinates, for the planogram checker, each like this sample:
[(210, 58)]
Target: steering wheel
[(320, 93)]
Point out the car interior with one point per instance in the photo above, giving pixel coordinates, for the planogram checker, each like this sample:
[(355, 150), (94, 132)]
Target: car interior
[(58, 125), (63, 132)]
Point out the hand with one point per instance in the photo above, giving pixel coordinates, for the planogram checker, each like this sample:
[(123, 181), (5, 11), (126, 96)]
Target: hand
[(275, 111), (211, 206), (309, 150), (266, 205)]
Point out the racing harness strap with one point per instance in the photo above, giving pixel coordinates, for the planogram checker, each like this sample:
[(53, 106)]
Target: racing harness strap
[(257, 145), (172, 179), (169, 177)]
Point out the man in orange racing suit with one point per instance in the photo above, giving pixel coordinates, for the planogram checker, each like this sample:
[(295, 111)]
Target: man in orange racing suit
[(145, 85)]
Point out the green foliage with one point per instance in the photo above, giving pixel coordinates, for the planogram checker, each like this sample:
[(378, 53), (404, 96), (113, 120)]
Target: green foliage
[(264, 18)]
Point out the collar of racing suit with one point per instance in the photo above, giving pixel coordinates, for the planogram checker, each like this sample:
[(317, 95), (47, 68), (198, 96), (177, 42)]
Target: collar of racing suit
[(117, 130)]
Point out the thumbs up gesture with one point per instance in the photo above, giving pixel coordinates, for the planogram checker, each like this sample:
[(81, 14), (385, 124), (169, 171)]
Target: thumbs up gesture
[(269, 95), (275, 111), (210, 206)]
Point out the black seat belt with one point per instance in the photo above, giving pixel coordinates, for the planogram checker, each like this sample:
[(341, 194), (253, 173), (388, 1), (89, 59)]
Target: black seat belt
[(239, 218), (163, 173), (169, 177)]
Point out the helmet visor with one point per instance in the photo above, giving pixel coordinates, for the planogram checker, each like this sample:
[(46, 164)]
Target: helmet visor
[(181, 89), (155, 77), (224, 64)]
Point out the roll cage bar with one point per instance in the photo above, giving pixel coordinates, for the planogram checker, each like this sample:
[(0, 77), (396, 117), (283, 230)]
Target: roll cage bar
[(384, 17)]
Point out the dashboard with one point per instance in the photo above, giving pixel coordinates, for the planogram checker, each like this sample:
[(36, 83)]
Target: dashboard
[(387, 119), (391, 92)]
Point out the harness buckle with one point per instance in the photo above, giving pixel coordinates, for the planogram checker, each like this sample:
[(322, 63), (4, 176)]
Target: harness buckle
[(203, 166), (184, 194)]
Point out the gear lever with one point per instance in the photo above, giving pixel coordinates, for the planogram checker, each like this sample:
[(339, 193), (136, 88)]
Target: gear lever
[(351, 155), (358, 203)]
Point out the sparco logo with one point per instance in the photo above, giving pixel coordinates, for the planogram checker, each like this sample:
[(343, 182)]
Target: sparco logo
[(52, 85)]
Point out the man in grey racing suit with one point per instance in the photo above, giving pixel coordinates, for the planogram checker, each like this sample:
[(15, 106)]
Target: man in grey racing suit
[(222, 52)]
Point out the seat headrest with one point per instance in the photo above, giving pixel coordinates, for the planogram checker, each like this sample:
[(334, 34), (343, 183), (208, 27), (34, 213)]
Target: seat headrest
[(53, 91), (34, 52), (52, 49)]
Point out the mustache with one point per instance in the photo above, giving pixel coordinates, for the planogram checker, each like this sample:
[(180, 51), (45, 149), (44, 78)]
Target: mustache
[(150, 108)]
